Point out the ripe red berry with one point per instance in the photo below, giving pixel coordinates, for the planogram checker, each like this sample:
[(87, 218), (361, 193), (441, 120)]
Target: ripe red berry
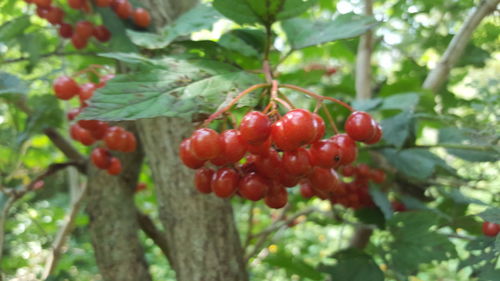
[(141, 17), (377, 136), (66, 30), (233, 148), (306, 190), (203, 180), (286, 179), (297, 162), (89, 124), (359, 126), (319, 127), (280, 137), (103, 3), (85, 137), (378, 176), (84, 29), (101, 158), (348, 171), (187, 156), (78, 41), (123, 9), (42, 12), (326, 154), (101, 33), (398, 206), (86, 91), (131, 142), (269, 165), (73, 113), (115, 138), (74, 131), (299, 126), (491, 229), (277, 197), (100, 131), (115, 167), (347, 146), (260, 149), (225, 182), (42, 3), (55, 15), (253, 187), (206, 144), (255, 127), (140, 186), (76, 4), (65, 87), (323, 179), (363, 171)]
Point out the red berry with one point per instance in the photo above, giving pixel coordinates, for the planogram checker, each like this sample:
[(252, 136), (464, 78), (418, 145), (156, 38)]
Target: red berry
[(42, 3), (65, 87), (66, 30), (348, 171), (42, 12), (141, 17), (74, 132), (101, 33), (255, 127), (363, 171), (225, 182), (297, 162), (491, 229), (319, 127), (233, 148), (287, 180), (378, 134), (115, 167), (131, 142), (299, 126), (73, 113), (203, 180), (253, 187), (323, 179), (187, 156), (306, 191), (277, 197), (86, 91), (84, 29), (398, 206), (55, 15), (359, 126), (89, 124), (378, 176), (280, 137), (115, 138), (140, 186), (269, 165), (326, 154), (85, 137), (123, 9), (100, 131), (347, 146), (103, 3), (101, 158), (78, 41), (260, 149), (206, 144), (76, 4)]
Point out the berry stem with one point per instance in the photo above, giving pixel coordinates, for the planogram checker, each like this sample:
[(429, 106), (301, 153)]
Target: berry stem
[(284, 103), (329, 117), (285, 98), (316, 96), (234, 101)]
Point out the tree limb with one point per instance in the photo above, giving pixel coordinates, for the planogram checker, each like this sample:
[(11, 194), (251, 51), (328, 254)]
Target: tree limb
[(65, 146), (439, 74), (363, 59), (149, 228), (56, 53)]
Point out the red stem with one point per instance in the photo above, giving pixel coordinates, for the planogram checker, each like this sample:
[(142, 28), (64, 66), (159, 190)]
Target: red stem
[(316, 96), (330, 119)]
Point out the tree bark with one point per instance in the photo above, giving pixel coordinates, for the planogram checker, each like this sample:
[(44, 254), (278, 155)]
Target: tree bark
[(113, 224), (363, 60)]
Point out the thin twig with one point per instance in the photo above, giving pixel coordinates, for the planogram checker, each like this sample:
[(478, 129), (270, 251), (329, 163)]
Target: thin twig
[(57, 53), (316, 96), (330, 119)]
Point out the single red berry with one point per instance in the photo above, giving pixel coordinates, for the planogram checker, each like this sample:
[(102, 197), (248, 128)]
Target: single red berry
[(140, 186), (115, 167), (378, 176), (187, 156), (43, 3), (84, 29), (142, 17), (321, 194), (103, 3), (55, 15), (348, 171), (78, 41), (306, 190), (65, 87), (253, 187), (115, 138), (326, 154), (233, 148), (377, 136), (359, 126), (287, 180), (255, 127), (297, 162), (319, 127), (86, 91), (398, 206), (260, 149), (491, 229), (85, 137), (203, 180), (206, 144), (76, 4), (363, 171), (323, 179), (277, 197), (89, 124), (269, 165), (73, 113), (100, 130), (74, 131), (101, 158), (347, 146), (101, 33), (123, 9), (66, 30), (299, 126), (42, 12), (280, 137), (225, 182)]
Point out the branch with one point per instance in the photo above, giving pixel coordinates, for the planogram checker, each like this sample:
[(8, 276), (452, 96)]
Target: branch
[(3, 217), (363, 60), (361, 237), (439, 74), (67, 149), (56, 53), (65, 230), (149, 228)]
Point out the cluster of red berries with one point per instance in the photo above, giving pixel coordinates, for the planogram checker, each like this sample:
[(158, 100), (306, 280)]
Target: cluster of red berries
[(84, 30), (280, 154), (88, 132), (491, 229)]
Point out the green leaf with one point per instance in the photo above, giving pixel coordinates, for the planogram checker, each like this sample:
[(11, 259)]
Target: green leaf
[(179, 89), (293, 8), (303, 33), (371, 215), (407, 101), (414, 163), (397, 128), (200, 17), (353, 265), (491, 214), (47, 114), (11, 85), (238, 11), (497, 244), (366, 105), (380, 199), (292, 265), (130, 58), (14, 28), (464, 136), (249, 42), (119, 41)]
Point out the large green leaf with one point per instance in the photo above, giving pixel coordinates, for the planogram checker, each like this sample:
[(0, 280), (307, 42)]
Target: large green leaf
[(200, 17), (491, 215), (407, 101), (248, 42), (353, 265), (14, 28), (293, 265), (414, 162), (303, 33), (397, 128), (237, 10), (382, 201), (11, 85), (471, 137), (178, 89), (119, 41)]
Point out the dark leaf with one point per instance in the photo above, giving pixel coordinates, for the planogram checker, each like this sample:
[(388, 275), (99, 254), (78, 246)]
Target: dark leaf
[(397, 128), (353, 265), (292, 265), (491, 214), (381, 200)]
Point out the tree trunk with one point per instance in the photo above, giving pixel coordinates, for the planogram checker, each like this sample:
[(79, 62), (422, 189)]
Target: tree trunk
[(113, 224), (201, 234)]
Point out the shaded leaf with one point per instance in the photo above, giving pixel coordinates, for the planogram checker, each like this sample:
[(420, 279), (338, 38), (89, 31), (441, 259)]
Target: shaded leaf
[(397, 128), (119, 41), (11, 85), (366, 105), (453, 135), (238, 11), (292, 265), (406, 101), (414, 162), (491, 214), (14, 28), (380, 199), (353, 265)]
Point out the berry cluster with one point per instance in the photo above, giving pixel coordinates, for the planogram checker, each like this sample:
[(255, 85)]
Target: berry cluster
[(491, 228), (88, 132), (82, 31), (279, 154)]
